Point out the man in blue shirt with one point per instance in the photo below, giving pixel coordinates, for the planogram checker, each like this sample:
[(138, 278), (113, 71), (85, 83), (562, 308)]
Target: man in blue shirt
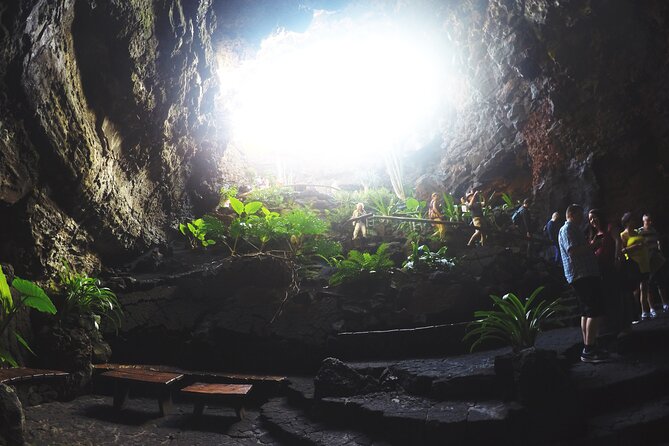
[(582, 273)]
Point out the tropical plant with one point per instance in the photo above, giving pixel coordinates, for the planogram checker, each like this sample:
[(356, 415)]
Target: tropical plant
[(273, 196), (268, 226), (214, 228), (196, 231), (421, 258), (301, 223), (328, 250), (225, 193), (358, 263), (508, 202), (31, 296), (84, 295), (381, 201), (513, 322), (452, 210)]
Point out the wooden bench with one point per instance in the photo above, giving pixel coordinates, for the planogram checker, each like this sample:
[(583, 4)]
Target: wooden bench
[(224, 394), (162, 381), (17, 374), (199, 375)]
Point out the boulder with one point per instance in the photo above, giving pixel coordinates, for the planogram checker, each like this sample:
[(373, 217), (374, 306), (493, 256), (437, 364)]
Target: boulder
[(335, 378)]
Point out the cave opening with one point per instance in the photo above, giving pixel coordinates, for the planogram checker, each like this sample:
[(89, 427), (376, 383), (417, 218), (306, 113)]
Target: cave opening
[(361, 87)]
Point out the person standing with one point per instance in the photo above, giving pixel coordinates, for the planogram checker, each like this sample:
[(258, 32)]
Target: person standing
[(552, 229), (582, 273), (635, 249), (476, 210), (658, 264), (359, 224), (523, 219), (433, 213), (603, 240)]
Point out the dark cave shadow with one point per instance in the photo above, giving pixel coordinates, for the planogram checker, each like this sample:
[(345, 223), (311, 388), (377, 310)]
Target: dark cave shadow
[(212, 423), (128, 416)]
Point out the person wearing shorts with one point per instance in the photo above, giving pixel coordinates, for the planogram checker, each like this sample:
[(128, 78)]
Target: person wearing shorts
[(582, 272)]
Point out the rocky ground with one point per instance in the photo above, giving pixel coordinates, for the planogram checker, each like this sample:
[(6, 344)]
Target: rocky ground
[(91, 420), (457, 398)]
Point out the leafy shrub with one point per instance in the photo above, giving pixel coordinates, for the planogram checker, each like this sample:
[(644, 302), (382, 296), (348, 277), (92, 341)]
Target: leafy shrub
[(328, 250), (214, 228), (196, 231), (301, 223), (452, 210), (273, 196), (381, 201), (31, 296), (266, 227), (84, 295), (514, 322), (422, 259), (225, 193), (357, 263)]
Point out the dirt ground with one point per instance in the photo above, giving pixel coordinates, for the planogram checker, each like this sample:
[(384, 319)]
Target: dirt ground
[(91, 421)]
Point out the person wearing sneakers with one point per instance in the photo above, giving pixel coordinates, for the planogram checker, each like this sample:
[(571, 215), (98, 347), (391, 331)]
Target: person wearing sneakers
[(582, 273), (634, 248), (658, 264)]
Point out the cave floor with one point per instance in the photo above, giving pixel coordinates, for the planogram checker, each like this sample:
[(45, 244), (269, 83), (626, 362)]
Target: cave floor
[(624, 400), (91, 420)]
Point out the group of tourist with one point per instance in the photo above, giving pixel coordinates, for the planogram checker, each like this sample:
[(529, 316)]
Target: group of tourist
[(605, 267)]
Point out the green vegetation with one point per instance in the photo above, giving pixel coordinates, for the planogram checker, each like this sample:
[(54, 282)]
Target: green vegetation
[(514, 322), (31, 296), (84, 295), (196, 231), (422, 259), (273, 196), (358, 263)]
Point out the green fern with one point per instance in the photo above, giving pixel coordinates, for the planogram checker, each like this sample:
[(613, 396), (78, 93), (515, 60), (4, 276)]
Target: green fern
[(514, 322), (358, 263)]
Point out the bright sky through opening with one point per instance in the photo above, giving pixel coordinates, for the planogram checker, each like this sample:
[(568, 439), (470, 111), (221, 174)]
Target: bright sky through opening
[(347, 89)]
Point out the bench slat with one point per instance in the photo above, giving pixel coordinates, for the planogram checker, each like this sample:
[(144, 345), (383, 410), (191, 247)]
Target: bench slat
[(147, 376), (217, 389), (239, 377), (24, 373)]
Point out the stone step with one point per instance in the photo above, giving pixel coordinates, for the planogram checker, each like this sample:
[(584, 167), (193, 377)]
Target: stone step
[(645, 423), (293, 426), (300, 391), (459, 377), (619, 383), (408, 419)]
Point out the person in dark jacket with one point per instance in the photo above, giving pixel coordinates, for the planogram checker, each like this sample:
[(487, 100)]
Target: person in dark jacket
[(552, 230)]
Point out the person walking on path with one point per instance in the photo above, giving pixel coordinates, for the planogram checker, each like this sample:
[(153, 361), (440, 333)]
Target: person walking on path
[(476, 210), (582, 273)]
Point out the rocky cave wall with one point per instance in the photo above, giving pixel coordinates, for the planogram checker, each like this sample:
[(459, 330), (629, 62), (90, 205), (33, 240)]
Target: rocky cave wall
[(104, 127), (569, 103), (107, 137)]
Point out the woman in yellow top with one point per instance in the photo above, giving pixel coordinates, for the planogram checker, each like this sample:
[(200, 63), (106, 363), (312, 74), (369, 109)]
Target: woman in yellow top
[(634, 247)]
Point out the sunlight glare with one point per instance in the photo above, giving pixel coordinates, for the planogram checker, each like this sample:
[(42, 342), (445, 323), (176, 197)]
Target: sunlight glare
[(343, 89)]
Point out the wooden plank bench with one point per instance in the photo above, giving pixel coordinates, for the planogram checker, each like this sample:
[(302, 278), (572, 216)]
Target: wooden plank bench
[(17, 374), (124, 378), (199, 375), (224, 394)]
